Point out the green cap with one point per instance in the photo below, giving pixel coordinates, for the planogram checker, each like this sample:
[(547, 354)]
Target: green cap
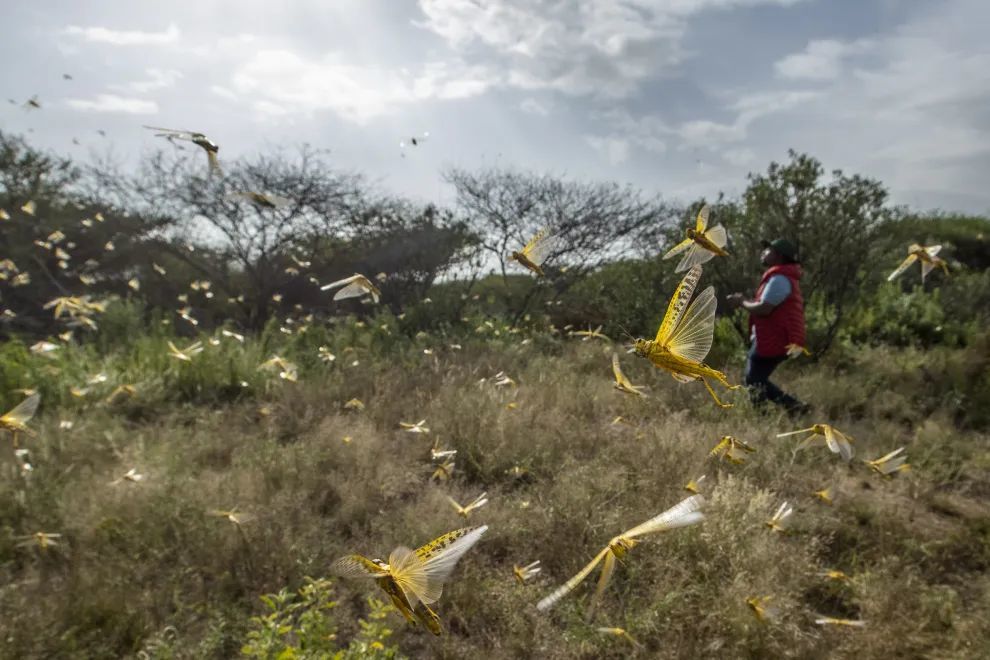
[(783, 247)]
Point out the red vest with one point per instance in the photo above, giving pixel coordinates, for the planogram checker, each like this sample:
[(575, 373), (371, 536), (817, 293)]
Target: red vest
[(785, 324)]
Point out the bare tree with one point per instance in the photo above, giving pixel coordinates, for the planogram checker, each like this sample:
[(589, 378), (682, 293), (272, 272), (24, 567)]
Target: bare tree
[(245, 247), (271, 230), (506, 207), (70, 244), (596, 222)]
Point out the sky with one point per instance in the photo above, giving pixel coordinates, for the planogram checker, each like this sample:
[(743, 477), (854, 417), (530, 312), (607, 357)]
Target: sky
[(681, 98)]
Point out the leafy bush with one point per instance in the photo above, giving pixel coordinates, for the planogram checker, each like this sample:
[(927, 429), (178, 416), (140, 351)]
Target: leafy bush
[(624, 296), (915, 318), (299, 626)]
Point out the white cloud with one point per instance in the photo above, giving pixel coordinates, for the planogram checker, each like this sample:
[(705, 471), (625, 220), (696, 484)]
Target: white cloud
[(702, 132), (533, 107), (157, 79), (113, 103), (648, 132), (582, 47), (749, 108), (740, 157), (278, 78), (614, 149), (913, 113), (820, 60), (124, 37), (224, 92)]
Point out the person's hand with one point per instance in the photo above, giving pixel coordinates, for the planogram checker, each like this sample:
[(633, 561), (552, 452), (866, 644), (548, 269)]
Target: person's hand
[(734, 300)]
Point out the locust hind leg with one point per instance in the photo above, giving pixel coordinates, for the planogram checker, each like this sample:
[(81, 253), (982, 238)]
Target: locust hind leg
[(725, 383), (715, 396), (399, 601), (428, 617)]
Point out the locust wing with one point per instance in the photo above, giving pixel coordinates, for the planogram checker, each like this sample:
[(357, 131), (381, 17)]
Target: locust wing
[(608, 568), (678, 304), (409, 572), (701, 222), (356, 286), (810, 428), (214, 162), (356, 566), (436, 560), (540, 246), (911, 258), (22, 412), (695, 256), (172, 132), (838, 443), (926, 267), (692, 337), (686, 512), (677, 249), (717, 236)]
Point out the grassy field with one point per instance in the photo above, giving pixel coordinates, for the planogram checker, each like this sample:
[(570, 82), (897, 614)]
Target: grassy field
[(143, 570)]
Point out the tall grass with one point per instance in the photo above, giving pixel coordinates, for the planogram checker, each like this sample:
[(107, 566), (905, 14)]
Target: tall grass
[(144, 566)]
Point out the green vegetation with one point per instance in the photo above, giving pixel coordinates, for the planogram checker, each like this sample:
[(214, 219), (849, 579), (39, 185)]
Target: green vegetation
[(255, 478), (144, 566)]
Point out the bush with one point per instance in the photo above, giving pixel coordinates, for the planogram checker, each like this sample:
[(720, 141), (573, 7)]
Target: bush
[(299, 626), (628, 296)]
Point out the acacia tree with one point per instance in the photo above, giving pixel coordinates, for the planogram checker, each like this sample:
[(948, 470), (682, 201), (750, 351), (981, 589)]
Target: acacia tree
[(72, 245), (267, 258), (596, 222), (245, 249), (411, 245)]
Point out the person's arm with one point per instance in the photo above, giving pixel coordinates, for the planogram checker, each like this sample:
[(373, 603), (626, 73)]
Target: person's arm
[(757, 307), (775, 292)]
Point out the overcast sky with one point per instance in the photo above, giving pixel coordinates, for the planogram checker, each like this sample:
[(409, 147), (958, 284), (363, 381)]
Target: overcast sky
[(679, 97)]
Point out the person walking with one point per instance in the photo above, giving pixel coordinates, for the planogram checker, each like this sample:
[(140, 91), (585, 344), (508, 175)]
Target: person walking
[(776, 321)]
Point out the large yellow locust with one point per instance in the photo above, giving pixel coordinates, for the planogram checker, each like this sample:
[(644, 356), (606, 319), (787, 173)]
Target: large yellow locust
[(890, 463), (685, 337), (414, 579), (199, 139), (185, 354), (16, 420), (687, 512), (732, 450), (355, 286), (926, 255), (536, 251), (701, 244), (827, 435)]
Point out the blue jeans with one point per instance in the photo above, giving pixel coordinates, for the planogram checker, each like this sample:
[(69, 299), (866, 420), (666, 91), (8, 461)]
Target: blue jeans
[(757, 379)]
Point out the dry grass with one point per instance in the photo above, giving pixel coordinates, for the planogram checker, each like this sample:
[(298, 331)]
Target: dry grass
[(562, 480)]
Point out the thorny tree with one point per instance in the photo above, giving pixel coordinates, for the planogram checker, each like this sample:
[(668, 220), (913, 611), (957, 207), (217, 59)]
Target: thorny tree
[(328, 225), (74, 244), (595, 221), (244, 248)]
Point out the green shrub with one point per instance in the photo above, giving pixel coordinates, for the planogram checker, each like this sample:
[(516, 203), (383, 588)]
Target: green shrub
[(299, 625)]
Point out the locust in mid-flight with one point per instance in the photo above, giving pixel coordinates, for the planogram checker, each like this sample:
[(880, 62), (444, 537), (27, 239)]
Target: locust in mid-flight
[(414, 579), (199, 139), (701, 244), (685, 337)]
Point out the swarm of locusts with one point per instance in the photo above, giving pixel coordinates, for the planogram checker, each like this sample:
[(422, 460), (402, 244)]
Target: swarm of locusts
[(414, 579)]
